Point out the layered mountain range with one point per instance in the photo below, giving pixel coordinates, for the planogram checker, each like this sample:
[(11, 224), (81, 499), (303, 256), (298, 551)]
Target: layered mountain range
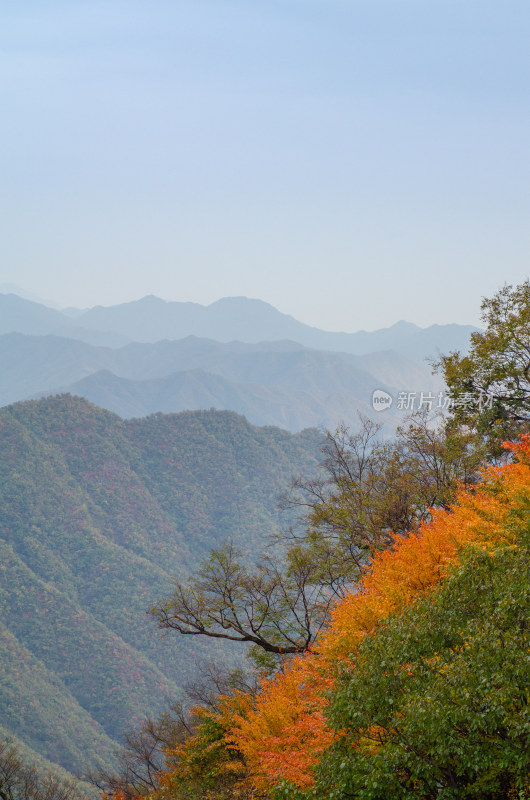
[(99, 511), (236, 354)]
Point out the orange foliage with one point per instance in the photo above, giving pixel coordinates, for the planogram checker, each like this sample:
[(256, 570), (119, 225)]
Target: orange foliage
[(418, 563), (286, 733), (119, 794), (206, 749)]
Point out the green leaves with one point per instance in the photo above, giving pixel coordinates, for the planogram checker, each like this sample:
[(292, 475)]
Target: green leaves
[(497, 369), (436, 703)]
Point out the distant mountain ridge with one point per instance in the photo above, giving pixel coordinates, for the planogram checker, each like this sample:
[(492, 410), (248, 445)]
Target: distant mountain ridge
[(195, 389), (275, 383), (19, 315), (236, 354), (250, 320), (231, 318)]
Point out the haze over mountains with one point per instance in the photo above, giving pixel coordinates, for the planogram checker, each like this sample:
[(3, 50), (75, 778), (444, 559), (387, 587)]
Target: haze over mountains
[(231, 318), (237, 354), (239, 318), (98, 513)]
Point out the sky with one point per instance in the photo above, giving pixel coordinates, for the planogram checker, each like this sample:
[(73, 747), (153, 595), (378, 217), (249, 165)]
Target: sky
[(352, 162)]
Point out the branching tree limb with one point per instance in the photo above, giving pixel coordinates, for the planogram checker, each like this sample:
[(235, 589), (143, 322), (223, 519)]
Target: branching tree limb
[(368, 491), (21, 781), (142, 758), (279, 608)]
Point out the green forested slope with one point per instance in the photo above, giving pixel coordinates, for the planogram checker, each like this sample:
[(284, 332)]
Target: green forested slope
[(38, 708), (96, 517)]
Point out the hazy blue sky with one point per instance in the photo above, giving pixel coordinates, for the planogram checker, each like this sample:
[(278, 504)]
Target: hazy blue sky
[(351, 162)]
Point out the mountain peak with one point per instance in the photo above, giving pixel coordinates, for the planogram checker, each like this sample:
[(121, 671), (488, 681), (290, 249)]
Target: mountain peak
[(242, 302), (402, 325), (151, 300)]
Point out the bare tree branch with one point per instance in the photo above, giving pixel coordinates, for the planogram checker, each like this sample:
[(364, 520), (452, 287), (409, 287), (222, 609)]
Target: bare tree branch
[(279, 608)]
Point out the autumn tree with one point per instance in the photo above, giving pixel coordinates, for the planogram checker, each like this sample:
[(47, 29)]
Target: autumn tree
[(290, 730), (368, 490), (435, 701), (206, 767), (490, 386), (165, 756), (429, 699), (142, 757)]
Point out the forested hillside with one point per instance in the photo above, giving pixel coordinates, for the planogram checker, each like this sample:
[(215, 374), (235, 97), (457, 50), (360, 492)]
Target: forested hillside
[(393, 661), (97, 516), (418, 687), (387, 635)]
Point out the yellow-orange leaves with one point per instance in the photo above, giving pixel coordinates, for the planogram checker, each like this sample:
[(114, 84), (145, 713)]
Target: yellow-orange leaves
[(418, 563), (284, 736)]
